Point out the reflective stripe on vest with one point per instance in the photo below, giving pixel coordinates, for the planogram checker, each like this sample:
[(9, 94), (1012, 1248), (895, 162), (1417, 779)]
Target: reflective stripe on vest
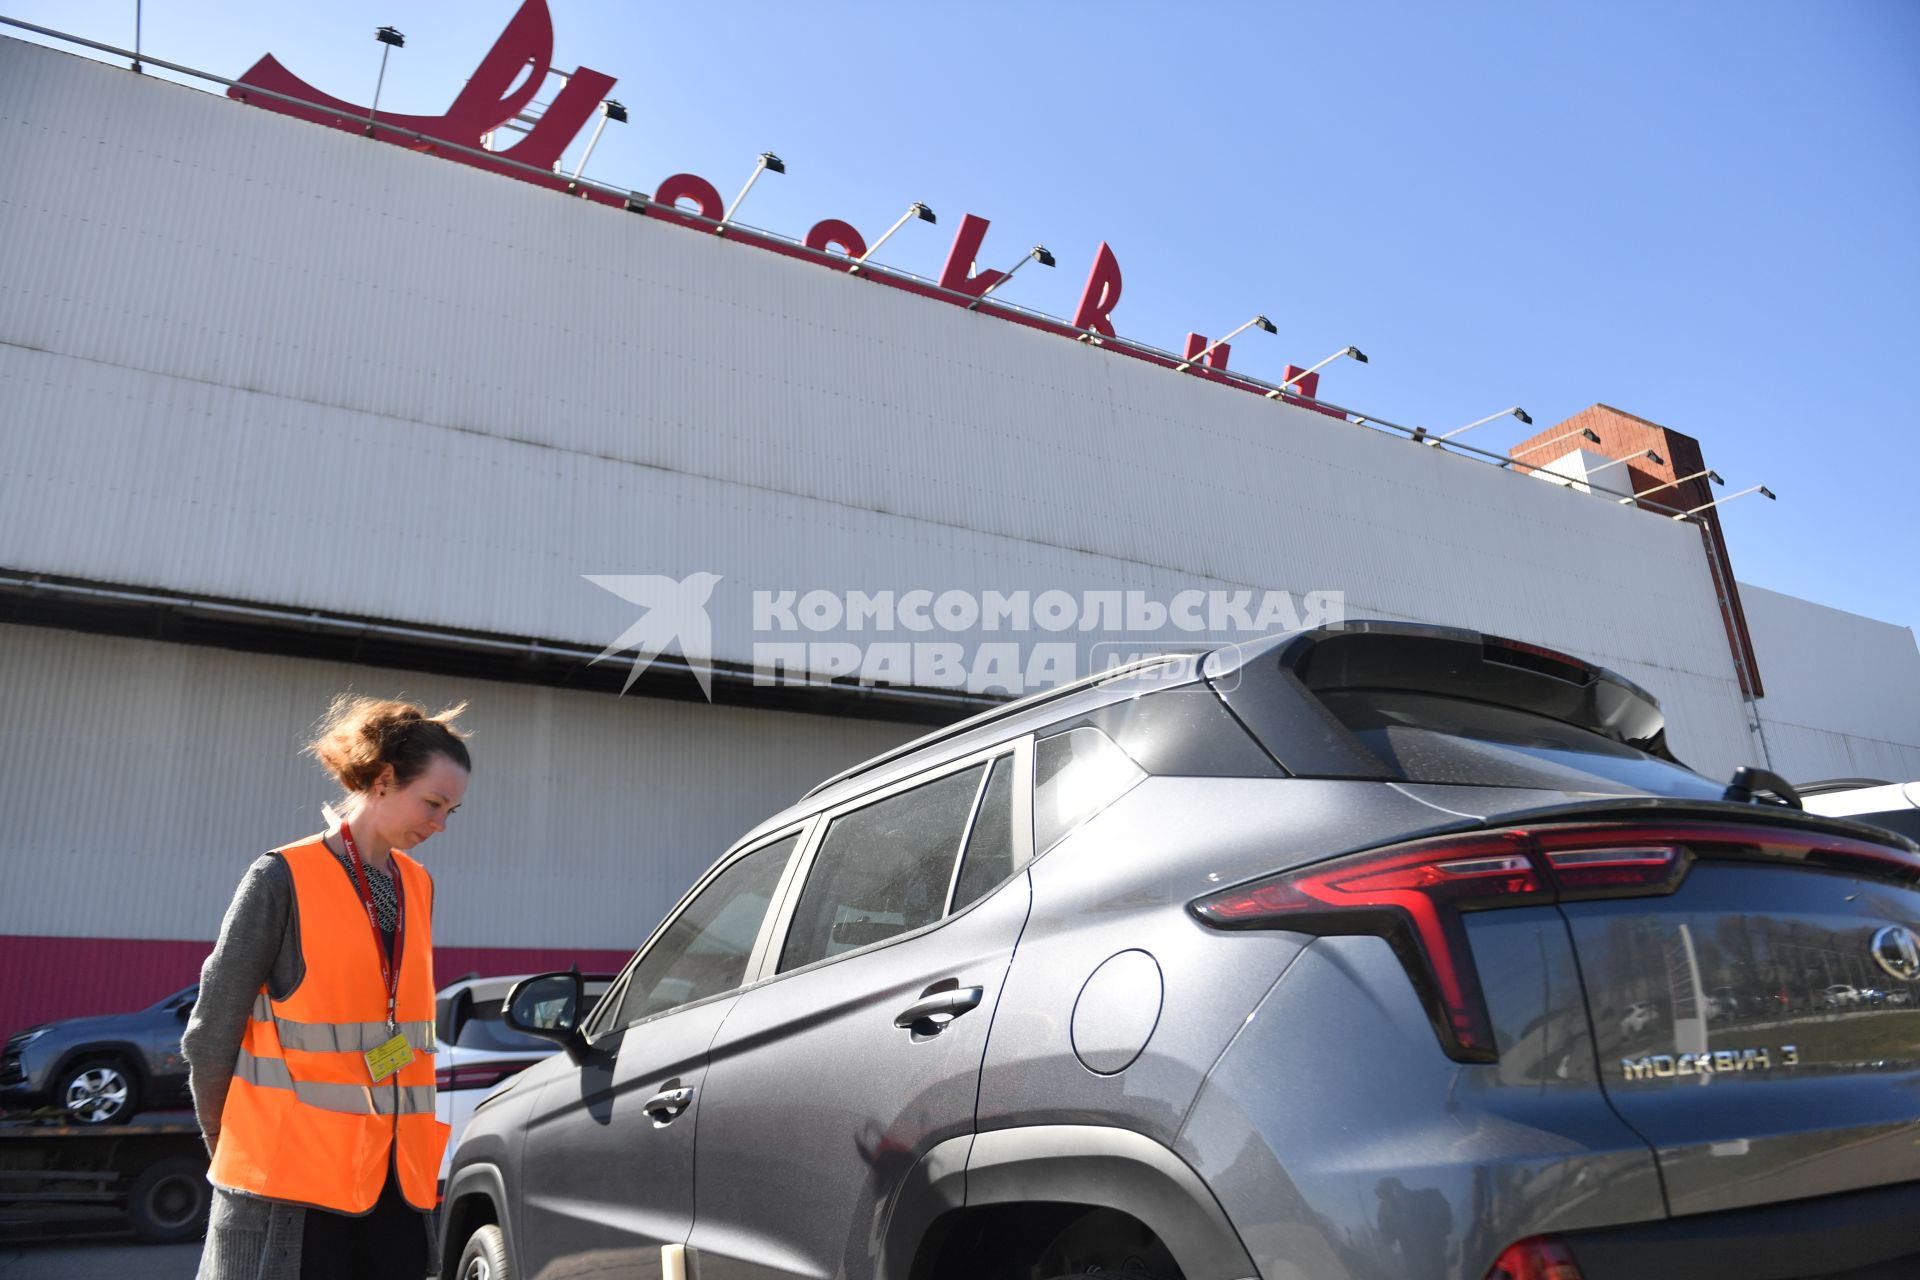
[(348, 1037), (352, 1099), (305, 1122)]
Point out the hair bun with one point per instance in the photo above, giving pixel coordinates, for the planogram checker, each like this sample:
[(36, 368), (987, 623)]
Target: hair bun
[(360, 737)]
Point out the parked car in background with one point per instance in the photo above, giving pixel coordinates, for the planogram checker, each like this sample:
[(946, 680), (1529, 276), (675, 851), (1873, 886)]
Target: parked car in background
[(101, 1070), (1326, 957), (477, 1050), (1639, 1016), (1893, 805)]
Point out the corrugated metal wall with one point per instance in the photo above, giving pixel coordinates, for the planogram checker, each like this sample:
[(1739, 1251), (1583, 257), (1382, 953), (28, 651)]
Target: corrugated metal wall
[(1843, 691), (138, 780), (255, 358)]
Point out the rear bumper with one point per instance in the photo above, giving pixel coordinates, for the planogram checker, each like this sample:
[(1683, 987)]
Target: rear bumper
[(1857, 1235)]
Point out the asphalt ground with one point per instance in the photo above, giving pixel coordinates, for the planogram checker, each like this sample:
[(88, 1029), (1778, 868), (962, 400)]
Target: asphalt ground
[(99, 1260)]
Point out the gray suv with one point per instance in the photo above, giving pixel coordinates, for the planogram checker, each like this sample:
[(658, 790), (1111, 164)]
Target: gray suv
[(101, 1070), (1390, 952)]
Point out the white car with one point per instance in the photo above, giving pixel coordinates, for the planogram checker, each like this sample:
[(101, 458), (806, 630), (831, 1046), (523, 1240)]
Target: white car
[(1639, 1016), (477, 1050)]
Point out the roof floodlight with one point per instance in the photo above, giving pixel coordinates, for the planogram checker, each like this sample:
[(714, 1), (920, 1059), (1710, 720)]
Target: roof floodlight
[(1760, 489), (390, 40), (1358, 356), (767, 163), (609, 110), (1586, 433), (1708, 472), (1258, 322), (1037, 254), (1515, 411), (915, 210)]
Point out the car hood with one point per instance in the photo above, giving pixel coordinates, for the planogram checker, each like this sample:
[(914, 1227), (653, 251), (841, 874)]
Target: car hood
[(103, 1024)]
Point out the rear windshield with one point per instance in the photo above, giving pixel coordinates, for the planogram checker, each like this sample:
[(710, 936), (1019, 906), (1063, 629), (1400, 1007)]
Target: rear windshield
[(1429, 738)]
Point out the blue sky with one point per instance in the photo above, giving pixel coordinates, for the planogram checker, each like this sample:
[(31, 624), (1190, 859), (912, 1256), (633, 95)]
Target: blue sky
[(1706, 214)]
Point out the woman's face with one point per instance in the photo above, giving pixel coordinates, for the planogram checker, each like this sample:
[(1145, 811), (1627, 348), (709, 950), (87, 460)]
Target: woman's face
[(407, 816)]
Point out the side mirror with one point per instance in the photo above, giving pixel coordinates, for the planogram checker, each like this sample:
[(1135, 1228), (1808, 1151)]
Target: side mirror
[(549, 1006), (185, 1011)]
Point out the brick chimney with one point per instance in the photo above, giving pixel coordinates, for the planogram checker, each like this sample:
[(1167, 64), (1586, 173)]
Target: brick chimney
[(1622, 435)]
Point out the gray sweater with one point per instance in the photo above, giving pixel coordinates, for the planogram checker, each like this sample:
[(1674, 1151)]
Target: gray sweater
[(248, 1238)]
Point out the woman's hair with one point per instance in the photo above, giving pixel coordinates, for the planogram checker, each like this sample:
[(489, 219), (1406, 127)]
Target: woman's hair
[(360, 736)]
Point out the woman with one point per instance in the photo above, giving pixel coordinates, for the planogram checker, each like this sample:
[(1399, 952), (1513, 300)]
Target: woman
[(310, 1049)]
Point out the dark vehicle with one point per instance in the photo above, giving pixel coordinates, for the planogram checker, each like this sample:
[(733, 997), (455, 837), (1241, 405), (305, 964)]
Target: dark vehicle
[(101, 1070), (1380, 953)]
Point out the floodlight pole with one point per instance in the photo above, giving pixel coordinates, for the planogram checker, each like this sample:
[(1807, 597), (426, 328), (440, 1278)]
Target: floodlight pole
[(1758, 488), (1038, 253), (1591, 436), (916, 210), (767, 161), (389, 39), (1265, 324), (609, 110), (1704, 471)]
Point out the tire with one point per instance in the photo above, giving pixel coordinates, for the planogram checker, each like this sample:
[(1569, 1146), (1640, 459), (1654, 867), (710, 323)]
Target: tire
[(98, 1091), (170, 1200), (485, 1257)]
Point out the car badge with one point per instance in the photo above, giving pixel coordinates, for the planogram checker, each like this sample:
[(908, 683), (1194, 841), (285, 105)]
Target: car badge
[(1896, 951)]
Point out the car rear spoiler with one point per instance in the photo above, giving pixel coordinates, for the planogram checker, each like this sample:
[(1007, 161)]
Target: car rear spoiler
[(1411, 657)]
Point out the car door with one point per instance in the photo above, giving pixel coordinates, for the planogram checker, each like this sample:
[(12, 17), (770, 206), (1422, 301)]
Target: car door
[(861, 1046), (607, 1167)]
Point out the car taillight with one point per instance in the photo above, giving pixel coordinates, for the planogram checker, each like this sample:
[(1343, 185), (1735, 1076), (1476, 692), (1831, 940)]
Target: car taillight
[(1538, 1258), (477, 1075), (1413, 894)]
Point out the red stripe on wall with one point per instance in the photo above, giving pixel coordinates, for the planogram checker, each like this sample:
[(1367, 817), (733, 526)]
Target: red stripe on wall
[(46, 978)]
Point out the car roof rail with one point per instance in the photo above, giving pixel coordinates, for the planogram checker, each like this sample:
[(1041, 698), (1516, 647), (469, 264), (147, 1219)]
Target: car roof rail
[(1018, 706)]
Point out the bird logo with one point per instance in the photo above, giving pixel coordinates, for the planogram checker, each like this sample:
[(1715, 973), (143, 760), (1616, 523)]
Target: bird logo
[(674, 611)]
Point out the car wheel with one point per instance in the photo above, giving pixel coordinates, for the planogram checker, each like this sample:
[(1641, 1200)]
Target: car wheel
[(1105, 1244), (98, 1091), (485, 1257), (170, 1199)]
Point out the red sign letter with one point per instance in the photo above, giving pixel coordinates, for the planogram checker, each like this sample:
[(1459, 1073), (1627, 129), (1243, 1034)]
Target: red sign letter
[(844, 236), (958, 273), (489, 100), (1214, 359), (688, 186), (1102, 292), (1309, 387)]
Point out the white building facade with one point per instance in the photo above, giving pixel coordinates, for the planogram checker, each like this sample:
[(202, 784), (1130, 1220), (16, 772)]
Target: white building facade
[(286, 411)]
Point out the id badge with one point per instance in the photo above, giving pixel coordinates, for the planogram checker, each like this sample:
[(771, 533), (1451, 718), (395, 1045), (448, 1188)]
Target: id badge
[(389, 1057)]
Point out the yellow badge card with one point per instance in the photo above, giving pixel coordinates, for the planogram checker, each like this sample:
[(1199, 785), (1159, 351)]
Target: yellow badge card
[(389, 1057)]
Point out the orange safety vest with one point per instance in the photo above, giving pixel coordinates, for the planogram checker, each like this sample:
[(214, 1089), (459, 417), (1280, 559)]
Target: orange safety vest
[(304, 1121)]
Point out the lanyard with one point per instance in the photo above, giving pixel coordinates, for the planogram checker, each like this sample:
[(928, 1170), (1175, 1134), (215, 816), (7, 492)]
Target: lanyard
[(389, 963)]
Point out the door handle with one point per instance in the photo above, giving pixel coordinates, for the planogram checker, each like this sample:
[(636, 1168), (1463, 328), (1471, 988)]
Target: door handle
[(932, 1013), (668, 1103)]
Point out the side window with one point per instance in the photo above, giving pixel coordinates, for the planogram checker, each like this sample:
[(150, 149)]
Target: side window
[(882, 870), (704, 952), (990, 851), (1075, 775)]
